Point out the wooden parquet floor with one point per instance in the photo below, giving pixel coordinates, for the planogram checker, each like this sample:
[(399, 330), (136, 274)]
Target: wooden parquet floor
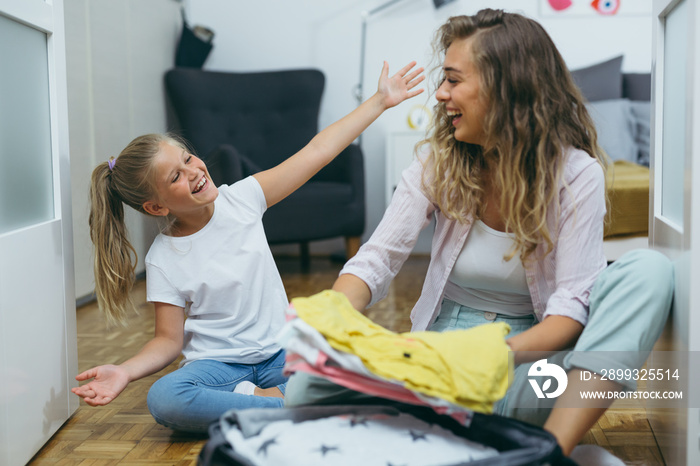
[(124, 433)]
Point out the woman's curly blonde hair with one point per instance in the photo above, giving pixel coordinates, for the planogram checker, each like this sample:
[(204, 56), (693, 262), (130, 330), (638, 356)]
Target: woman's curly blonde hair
[(534, 113)]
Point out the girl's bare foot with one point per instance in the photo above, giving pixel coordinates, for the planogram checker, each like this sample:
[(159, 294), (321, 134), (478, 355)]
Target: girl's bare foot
[(273, 392)]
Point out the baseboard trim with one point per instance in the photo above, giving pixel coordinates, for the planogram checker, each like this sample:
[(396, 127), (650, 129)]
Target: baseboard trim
[(92, 297), (87, 299)]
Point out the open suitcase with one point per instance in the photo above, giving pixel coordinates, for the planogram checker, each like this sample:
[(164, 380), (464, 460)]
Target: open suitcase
[(394, 425), (278, 436)]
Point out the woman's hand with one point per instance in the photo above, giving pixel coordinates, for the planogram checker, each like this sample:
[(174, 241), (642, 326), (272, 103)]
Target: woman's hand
[(108, 382), (554, 333), (394, 90)]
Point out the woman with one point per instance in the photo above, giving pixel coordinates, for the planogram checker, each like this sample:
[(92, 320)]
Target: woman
[(514, 176)]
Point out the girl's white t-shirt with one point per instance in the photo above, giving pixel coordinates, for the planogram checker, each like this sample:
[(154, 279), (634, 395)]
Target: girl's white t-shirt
[(225, 278)]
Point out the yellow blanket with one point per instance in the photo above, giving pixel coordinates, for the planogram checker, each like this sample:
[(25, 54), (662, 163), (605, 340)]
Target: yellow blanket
[(628, 188)]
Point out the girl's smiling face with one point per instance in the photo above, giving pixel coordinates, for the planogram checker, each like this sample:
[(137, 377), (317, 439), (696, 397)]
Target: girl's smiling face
[(183, 184), (461, 92)]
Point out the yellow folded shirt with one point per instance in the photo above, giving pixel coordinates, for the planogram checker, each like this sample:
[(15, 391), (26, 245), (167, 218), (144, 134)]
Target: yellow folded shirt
[(466, 367)]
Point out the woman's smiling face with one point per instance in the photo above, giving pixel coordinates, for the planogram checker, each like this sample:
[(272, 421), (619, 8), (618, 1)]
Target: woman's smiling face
[(460, 92)]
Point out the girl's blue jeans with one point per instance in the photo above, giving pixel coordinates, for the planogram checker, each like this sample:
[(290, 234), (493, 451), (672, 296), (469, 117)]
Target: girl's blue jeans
[(194, 396), (628, 307)]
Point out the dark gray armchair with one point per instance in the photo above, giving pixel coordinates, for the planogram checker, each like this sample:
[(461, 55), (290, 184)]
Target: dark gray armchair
[(241, 123)]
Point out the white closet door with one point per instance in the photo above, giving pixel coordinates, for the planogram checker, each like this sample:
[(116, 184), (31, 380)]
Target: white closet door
[(38, 356), (675, 209)]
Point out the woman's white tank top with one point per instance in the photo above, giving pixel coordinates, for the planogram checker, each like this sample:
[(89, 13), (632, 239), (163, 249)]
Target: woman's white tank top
[(482, 280)]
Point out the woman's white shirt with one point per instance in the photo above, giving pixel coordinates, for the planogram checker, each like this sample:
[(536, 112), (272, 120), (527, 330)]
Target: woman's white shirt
[(559, 283)]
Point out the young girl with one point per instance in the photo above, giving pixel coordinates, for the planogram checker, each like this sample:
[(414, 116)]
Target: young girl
[(514, 176), (213, 267)]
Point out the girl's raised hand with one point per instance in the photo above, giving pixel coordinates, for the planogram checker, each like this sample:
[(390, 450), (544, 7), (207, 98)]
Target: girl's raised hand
[(398, 88)]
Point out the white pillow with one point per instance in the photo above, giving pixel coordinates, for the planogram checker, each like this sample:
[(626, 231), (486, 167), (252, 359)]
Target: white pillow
[(616, 128), (641, 110)]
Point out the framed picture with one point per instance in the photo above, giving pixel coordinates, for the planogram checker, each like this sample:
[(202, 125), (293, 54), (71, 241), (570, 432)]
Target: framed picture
[(568, 8)]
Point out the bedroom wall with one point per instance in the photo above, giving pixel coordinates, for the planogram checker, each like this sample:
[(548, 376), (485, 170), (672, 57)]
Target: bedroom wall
[(116, 54), (277, 34)]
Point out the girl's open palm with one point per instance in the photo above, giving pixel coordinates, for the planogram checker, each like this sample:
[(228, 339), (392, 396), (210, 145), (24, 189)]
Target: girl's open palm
[(108, 382), (398, 88)]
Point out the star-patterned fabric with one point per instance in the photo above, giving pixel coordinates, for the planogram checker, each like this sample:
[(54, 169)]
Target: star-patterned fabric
[(369, 440)]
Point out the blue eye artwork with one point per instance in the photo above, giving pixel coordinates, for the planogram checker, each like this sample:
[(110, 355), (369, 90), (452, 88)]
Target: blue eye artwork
[(606, 7)]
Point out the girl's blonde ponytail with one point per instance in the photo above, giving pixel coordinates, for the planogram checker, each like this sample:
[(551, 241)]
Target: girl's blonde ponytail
[(128, 179), (115, 257)]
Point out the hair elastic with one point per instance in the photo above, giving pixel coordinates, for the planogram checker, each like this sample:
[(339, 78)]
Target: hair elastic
[(111, 162)]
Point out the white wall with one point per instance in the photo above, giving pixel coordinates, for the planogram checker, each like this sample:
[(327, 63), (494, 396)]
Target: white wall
[(277, 34), (116, 53)]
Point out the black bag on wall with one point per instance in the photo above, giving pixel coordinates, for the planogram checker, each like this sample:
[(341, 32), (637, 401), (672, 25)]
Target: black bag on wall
[(194, 45)]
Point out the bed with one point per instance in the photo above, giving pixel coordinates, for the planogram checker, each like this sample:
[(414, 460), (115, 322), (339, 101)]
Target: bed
[(620, 106)]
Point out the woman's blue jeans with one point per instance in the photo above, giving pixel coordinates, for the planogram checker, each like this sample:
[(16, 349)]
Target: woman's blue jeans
[(194, 396)]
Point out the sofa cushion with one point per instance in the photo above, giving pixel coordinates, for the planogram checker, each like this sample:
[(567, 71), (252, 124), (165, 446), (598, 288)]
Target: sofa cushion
[(616, 128), (602, 81)]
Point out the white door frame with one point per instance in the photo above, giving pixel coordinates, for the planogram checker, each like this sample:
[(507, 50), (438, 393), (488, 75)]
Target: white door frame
[(677, 429), (38, 351)]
